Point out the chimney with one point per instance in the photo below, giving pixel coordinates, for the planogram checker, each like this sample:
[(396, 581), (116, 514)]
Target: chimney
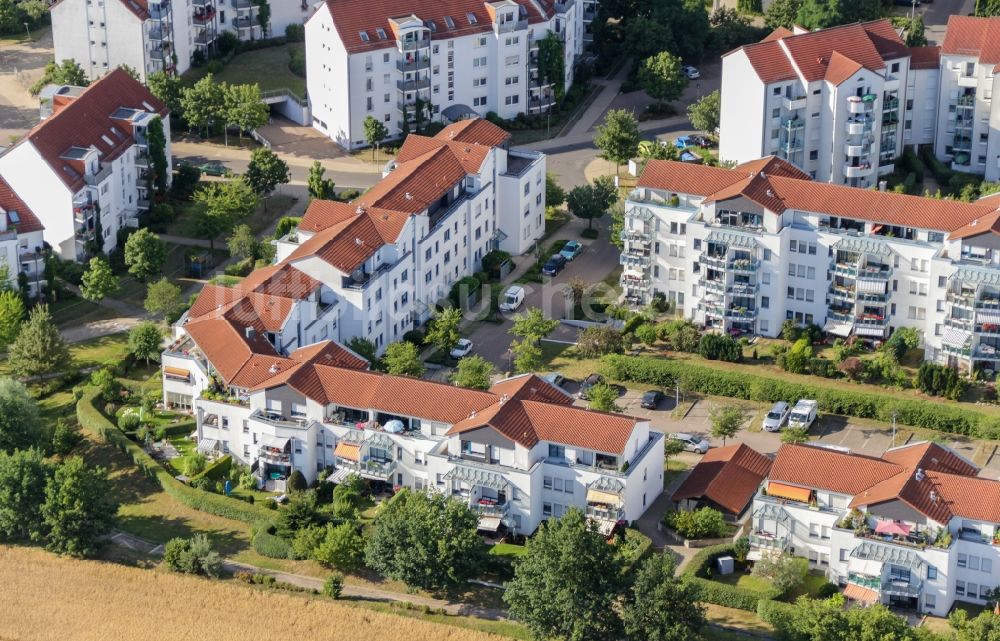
[(882, 185), (250, 333)]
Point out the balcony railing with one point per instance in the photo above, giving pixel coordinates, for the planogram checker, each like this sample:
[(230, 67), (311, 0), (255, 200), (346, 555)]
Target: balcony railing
[(413, 85), (96, 179), (279, 420), (605, 514), (766, 541), (512, 25), (413, 45), (870, 582), (415, 64), (484, 507), (378, 468)]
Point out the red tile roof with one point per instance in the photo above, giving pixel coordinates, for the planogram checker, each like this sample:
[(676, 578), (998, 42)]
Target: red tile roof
[(413, 185), (351, 17), (476, 131), (86, 121), (972, 36), (840, 69), (727, 476), (10, 202), (925, 57), (778, 190), (819, 467), (780, 54), (321, 214)]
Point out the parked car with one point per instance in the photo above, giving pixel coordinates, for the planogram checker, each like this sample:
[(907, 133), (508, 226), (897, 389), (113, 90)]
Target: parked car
[(803, 414), (554, 378), (692, 443), (702, 141), (589, 382), (777, 416), (683, 142), (462, 348), (691, 72), (571, 250), (651, 399), (214, 169), (512, 299), (554, 265)]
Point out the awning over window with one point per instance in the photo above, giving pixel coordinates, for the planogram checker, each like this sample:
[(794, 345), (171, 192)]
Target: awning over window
[(957, 337), (988, 317), (788, 492), (489, 523), (349, 451), (870, 286), (208, 445), (838, 328), (860, 594), (176, 372), (475, 476), (605, 498), (273, 442)]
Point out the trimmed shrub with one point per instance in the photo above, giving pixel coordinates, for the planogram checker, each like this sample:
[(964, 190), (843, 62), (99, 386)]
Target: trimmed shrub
[(720, 348), (333, 587), (954, 419), (698, 571), (223, 506), (633, 322), (297, 482), (703, 523), (777, 613), (271, 545)]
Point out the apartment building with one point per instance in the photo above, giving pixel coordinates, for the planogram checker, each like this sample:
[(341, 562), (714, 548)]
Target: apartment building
[(412, 62), (518, 453), (742, 250), (84, 169), (20, 241), (158, 35), (376, 267), (915, 528), (839, 104), (968, 130)]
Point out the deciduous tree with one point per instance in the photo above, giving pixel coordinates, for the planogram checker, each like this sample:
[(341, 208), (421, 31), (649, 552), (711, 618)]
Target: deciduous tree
[(567, 584), (223, 204), (704, 114), (319, 187), (375, 132), (145, 341), (473, 372), (591, 201), (726, 421), (659, 606), (20, 425), (164, 298), (78, 510), (168, 89), (243, 244), (603, 398), (342, 547), (527, 356), (145, 254), (402, 359), (244, 108), (425, 540), (532, 325), (442, 332), (204, 103), (555, 195), (67, 72), (99, 280), (617, 137), (11, 317), (662, 78), (23, 477), (266, 171)]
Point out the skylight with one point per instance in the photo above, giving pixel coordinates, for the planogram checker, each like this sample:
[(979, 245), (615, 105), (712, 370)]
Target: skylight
[(364, 36), (472, 18), (448, 21)]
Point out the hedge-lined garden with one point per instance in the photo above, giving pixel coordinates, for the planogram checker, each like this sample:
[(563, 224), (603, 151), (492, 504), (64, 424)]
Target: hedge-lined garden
[(91, 419), (760, 387), (730, 596)]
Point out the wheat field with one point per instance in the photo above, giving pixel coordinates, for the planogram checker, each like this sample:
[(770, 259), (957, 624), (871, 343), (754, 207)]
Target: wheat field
[(45, 597)]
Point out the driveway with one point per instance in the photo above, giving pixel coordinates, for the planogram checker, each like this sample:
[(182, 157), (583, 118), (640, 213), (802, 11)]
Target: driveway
[(599, 256), (21, 64)]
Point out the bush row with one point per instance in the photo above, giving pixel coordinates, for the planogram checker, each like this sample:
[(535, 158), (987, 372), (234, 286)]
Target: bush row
[(775, 612), (271, 545), (217, 471), (759, 387), (223, 506), (722, 594)]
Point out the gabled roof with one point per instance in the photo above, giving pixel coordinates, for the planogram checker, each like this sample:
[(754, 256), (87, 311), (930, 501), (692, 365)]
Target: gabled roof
[(14, 207), (346, 245), (727, 476), (823, 468), (450, 19), (226, 345), (925, 57), (87, 122), (779, 187), (973, 36), (413, 185), (478, 131), (785, 55), (321, 214)]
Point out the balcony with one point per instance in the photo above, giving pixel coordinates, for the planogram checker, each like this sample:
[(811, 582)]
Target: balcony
[(890, 104), (847, 294), (714, 286), (768, 541), (510, 25), (645, 238), (419, 84), (744, 265), (718, 261), (634, 262), (204, 38), (633, 283), (859, 171), (279, 420), (413, 64), (968, 81), (870, 582), (244, 23), (987, 329), (855, 128), (740, 314), (959, 299), (269, 455), (985, 303), (96, 179), (413, 45), (793, 104), (541, 103), (380, 469), (204, 17), (159, 34), (856, 150), (241, 4), (490, 507)]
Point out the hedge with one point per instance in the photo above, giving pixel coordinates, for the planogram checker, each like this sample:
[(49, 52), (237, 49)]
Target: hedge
[(217, 471), (775, 613), (934, 415), (216, 504), (723, 594), (271, 545), (645, 546)]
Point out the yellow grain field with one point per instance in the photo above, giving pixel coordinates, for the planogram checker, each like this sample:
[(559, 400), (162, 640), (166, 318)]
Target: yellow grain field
[(45, 597)]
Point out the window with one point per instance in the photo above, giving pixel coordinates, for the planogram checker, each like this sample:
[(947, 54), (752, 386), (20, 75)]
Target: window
[(557, 485), (930, 601), (974, 563), (843, 555), (972, 589), (547, 509), (557, 451), (960, 588), (986, 566), (547, 483), (963, 560)]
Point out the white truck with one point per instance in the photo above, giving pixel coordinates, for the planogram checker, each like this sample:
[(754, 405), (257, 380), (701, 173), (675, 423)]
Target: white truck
[(803, 414)]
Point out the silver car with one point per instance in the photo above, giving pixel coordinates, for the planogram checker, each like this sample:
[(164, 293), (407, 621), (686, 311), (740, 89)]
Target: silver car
[(692, 443), (777, 417)]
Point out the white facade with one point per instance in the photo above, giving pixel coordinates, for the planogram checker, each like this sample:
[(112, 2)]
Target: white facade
[(481, 61), (968, 129), (733, 263), (841, 121), (162, 35), (98, 178), (918, 571)]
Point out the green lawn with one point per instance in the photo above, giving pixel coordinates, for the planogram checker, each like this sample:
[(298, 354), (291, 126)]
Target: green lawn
[(99, 351), (133, 291), (508, 550), (672, 468), (272, 209), (809, 587), (744, 580), (265, 67), (73, 310)]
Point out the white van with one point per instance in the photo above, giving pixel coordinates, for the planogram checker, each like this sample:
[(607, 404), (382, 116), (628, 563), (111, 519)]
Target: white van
[(803, 414), (512, 299)]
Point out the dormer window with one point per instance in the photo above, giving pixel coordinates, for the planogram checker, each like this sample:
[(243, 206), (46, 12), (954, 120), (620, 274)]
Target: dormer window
[(364, 36), (449, 22), (381, 33), (472, 18)]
